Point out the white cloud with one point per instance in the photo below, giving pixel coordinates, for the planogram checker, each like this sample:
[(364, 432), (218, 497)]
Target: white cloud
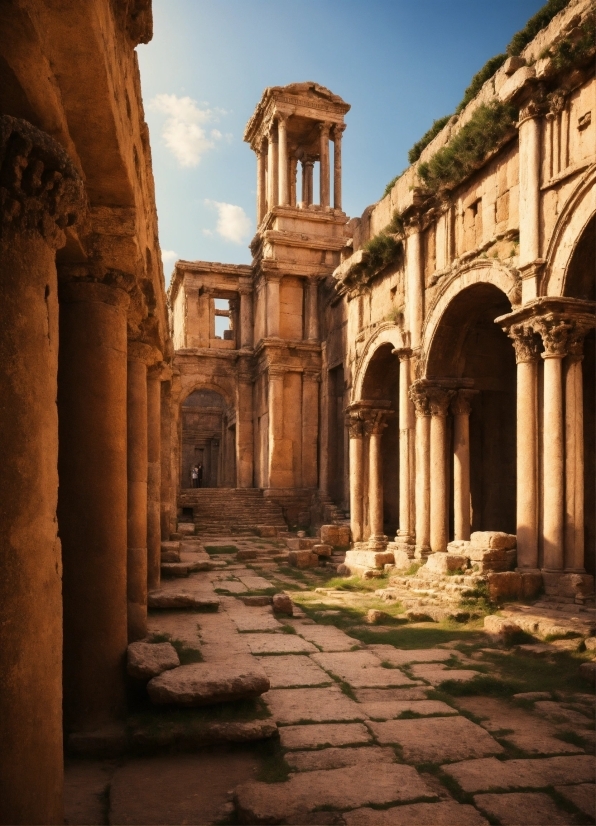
[(233, 224), (168, 258), (184, 130)]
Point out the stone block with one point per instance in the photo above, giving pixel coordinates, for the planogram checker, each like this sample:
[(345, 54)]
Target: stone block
[(300, 543), (303, 559), (374, 617), (588, 672), (516, 82), (170, 556), (489, 773), (186, 528), (493, 540), (207, 683), (256, 600), (336, 535), (246, 554), (145, 660), (492, 560), (368, 559), (506, 585), (502, 626), (182, 599), (440, 564), (590, 644), (460, 547), (282, 604), (521, 808), (322, 550), (266, 530), (175, 569), (568, 585)]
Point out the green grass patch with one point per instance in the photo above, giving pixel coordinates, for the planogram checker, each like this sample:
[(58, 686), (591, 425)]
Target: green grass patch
[(221, 549), (413, 569), (415, 152), (356, 583), (288, 629), (558, 673), (418, 636), (484, 684)]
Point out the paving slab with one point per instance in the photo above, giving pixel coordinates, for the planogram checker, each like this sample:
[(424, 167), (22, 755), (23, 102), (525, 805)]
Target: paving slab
[(278, 644), (390, 695), (436, 739), (442, 813), (317, 735), (522, 728), (145, 660), (400, 656), (389, 710), (559, 714), (207, 683), (293, 671), (435, 674), (336, 758), (182, 599), (345, 788), (523, 809), (85, 785), (319, 705), (254, 619), (489, 774), (231, 586), (361, 669), (583, 796), (255, 583), (326, 637)]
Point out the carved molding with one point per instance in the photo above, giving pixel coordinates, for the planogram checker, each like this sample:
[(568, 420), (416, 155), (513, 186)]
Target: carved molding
[(355, 425), (461, 402), (526, 342), (554, 330)]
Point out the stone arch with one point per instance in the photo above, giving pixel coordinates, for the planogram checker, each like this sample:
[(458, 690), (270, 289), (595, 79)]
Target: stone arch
[(575, 217), (386, 333), (484, 271), (201, 384)]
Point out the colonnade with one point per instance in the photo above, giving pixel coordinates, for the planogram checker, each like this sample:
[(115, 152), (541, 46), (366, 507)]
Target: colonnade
[(277, 168)]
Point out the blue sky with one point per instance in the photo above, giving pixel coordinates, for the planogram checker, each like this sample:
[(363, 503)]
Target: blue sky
[(400, 64)]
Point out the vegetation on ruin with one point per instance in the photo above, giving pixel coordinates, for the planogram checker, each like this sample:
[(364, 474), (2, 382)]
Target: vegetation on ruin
[(536, 23), (382, 249), (571, 52), (490, 125), (488, 70), (415, 152)]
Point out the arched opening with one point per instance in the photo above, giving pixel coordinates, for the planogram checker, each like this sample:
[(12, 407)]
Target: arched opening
[(580, 282), (208, 441), (381, 383), (469, 345)]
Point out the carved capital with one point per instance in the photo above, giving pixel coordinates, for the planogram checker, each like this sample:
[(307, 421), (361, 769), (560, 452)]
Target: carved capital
[(526, 342), (554, 330), (439, 398), (355, 425), (338, 131), (461, 402), (324, 129), (420, 399), (403, 353), (160, 370), (535, 107), (139, 351), (375, 421), (40, 188), (556, 102)]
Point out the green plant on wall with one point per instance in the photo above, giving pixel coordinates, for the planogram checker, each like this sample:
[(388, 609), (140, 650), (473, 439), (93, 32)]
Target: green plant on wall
[(571, 52)]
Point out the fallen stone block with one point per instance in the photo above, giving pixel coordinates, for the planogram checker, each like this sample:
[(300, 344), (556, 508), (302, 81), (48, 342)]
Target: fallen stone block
[(282, 604), (418, 615), (300, 543), (336, 535), (368, 559), (266, 530), (303, 559), (202, 684), (486, 560), (374, 617), (322, 550), (568, 585), (460, 547), (493, 540), (256, 600), (590, 644), (501, 626), (184, 737), (171, 550), (182, 599), (175, 569), (246, 554), (145, 660), (440, 564), (186, 528)]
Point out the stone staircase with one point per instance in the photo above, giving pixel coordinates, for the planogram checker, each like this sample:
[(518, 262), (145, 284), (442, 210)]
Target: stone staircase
[(231, 510)]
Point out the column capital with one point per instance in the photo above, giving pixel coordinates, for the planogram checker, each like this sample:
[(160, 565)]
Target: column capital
[(375, 419), (461, 402), (354, 424), (554, 330), (403, 353), (42, 191), (420, 399), (534, 107), (439, 398), (324, 128), (338, 130), (139, 351), (307, 162), (276, 371), (526, 342), (311, 375), (160, 371), (77, 290), (272, 135)]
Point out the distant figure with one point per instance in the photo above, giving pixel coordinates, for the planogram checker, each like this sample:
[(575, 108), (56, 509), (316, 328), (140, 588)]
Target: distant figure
[(194, 475), (200, 476)]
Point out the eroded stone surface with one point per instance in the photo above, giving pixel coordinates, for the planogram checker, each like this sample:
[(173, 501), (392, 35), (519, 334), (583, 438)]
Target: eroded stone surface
[(278, 644), (398, 656), (327, 637), (389, 710), (436, 739), (489, 773), (315, 735), (336, 758), (437, 674), (293, 670), (169, 599), (522, 809), (583, 796), (390, 695), (361, 669), (206, 683), (294, 705), (145, 660), (442, 813)]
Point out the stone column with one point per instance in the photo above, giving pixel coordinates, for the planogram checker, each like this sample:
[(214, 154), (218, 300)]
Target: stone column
[(272, 305), (166, 455), (312, 311), (529, 183), (246, 330), (276, 424), (244, 429), (272, 167), (460, 407), (154, 476), (307, 185), (422, 491), (415, 287), (139, 355), (337, 135), (375, 423), (527, 345), (324, 153), (405, 534), (356, 432), (310, 428), (324, 425), (554, 331), (293, 168), (574, 454), (284, 183), (439, 404), (261, 181), (42, 193)]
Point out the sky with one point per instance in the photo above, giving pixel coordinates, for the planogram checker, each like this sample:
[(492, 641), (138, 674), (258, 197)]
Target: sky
[(400, 64)]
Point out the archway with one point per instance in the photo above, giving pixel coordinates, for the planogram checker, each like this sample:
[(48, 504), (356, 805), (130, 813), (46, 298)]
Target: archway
[(468, 348), (207, 440)]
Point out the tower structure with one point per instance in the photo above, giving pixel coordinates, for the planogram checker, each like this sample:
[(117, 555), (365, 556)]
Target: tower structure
[(297, 245)]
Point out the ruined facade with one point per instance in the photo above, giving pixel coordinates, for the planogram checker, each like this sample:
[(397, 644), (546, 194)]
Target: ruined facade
[(445, 388), (84, 340)]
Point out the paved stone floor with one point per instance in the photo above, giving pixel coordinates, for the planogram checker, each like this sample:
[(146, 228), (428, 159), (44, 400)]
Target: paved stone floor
[(375, 724)]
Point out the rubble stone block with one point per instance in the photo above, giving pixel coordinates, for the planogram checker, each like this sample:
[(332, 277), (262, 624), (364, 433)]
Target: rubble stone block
[(329, 534), (500, 625), (266, 530), (207, 683), (568, 585), (493, 540), (505, 585), (368, 559), (440, 564), (186, 528), (246, 554), (146, 660), (322, 550), (531, 585), (282, 604), (182, 599), (303, 559), (460, 547)]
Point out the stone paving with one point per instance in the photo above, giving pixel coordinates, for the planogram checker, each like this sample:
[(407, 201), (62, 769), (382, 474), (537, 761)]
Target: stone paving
[(362, 739)]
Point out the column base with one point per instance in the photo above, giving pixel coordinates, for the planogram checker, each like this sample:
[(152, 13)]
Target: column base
[(568, 585), (520, 570), (422, 551), (403, 554), (378, 542)]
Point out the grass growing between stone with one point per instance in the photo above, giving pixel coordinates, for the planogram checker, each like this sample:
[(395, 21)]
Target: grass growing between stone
[(273, 768), (559, 673), (347, 616), (421, 635)]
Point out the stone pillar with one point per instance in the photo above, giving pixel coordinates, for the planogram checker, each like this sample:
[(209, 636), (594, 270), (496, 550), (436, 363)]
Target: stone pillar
[(554, 331), (324, 171), (529, 183), (460, 407), (526, 344), (42, 193), (574, 454), (337, 135), (154, 476), (272, 168), (375, 423), (272, 306), (244, 430), (422, 491), (166, 456), (246, 329), (261, 181), (312, 311), (293, 164), (284, 183), (415, 287), (405, 534), (276, 426), (439, 404), (356, 432), (139, 355), (307, 186), (310, 428), (324, 425)]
